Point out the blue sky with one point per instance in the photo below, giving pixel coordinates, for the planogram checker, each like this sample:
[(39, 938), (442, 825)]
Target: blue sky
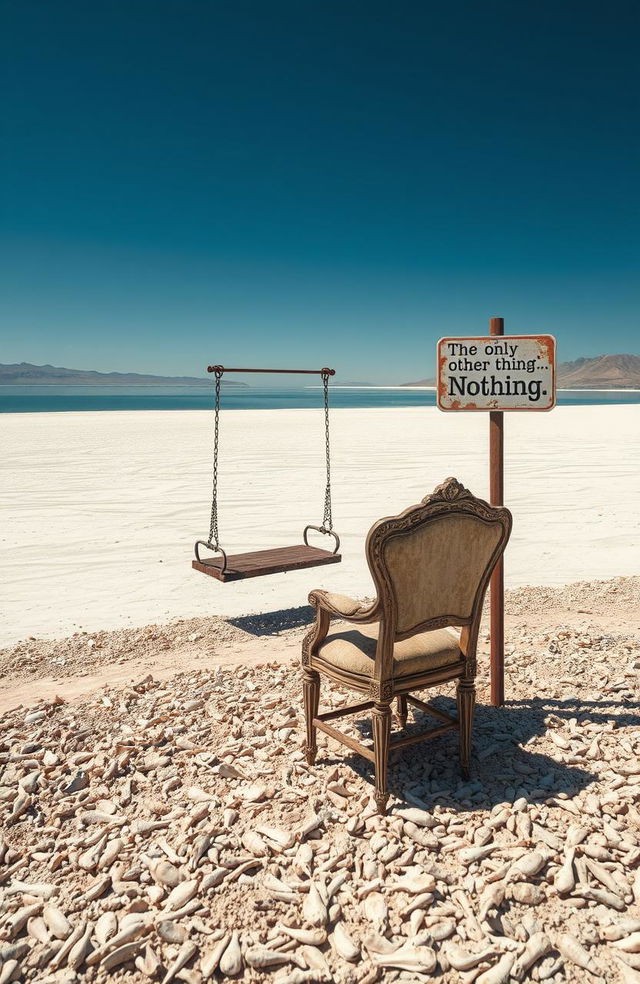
[(296, 183)]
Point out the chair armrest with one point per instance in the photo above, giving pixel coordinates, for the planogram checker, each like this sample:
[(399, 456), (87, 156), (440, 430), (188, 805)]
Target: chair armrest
[(341, 606)]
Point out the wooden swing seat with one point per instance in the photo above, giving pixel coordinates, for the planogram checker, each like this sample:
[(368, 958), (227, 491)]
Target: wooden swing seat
[(256, 563)]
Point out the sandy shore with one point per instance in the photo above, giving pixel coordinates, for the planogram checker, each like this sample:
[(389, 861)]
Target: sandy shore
[(100, 510), (41, 669), (161, 822)]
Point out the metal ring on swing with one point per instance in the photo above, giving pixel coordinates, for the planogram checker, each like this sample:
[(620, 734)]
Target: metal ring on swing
[(210, 546), (324, 531)]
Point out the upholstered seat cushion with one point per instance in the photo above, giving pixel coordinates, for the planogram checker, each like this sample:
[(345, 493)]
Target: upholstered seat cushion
[(353, 649)]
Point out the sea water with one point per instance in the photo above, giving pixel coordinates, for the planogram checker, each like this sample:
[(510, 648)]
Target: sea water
[(53, 398)]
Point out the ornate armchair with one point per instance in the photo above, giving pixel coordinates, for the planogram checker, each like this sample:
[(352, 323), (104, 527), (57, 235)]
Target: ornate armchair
[(431, 566)]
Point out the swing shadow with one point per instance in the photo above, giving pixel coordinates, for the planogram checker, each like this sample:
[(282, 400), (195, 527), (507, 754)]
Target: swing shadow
[(501, 769), (273, 623)]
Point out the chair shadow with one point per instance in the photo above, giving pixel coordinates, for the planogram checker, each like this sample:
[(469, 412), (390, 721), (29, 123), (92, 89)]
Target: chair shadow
[(501, 768), (273, 623)]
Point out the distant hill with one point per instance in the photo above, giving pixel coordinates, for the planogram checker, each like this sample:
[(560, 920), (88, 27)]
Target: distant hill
[(602, 372), (421, 382), (24, 373), (351, 382)]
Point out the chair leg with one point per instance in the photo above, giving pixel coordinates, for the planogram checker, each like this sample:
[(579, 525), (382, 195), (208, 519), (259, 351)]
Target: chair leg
[(466, 694), (402, 713), (311, 692), (381, 724)]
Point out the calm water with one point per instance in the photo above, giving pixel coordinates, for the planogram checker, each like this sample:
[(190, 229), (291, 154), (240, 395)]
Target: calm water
[(45, 399)]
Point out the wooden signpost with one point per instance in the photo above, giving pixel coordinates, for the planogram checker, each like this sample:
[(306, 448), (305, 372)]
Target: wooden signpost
[(494, 373)]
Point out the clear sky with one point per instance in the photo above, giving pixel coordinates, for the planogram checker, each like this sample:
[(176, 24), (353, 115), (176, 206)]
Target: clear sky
[(310, 183)]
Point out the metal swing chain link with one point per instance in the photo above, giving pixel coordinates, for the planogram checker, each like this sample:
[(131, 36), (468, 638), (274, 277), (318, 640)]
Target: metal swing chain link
[(214, 535), (327, 521)]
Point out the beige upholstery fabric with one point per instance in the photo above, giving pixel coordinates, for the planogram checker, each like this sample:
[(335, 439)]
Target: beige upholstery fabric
[(342, 603), (436, 569), (354, 650)]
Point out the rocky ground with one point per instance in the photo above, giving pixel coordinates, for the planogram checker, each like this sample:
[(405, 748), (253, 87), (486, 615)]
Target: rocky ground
[(168, 828)]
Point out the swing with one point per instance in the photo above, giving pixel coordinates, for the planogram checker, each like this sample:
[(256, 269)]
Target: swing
[(256, 563)]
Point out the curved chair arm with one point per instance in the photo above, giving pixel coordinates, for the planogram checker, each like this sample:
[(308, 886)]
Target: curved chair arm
[(341, 606), (469, 639)]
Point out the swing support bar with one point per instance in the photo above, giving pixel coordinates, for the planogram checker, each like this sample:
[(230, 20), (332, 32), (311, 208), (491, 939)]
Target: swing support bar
[(295, 372)]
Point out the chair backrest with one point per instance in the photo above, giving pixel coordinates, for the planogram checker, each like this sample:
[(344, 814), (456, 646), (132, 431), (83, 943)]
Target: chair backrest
[(432, 563)]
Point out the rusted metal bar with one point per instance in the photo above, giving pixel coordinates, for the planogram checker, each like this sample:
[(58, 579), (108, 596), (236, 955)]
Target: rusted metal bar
[(295, 372), (496, 493)]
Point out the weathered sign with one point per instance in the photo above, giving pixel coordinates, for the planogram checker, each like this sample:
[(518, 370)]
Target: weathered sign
[(497, 372)]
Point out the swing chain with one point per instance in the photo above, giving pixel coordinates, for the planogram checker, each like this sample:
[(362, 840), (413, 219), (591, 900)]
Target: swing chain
[(214, 535), (327, 521)]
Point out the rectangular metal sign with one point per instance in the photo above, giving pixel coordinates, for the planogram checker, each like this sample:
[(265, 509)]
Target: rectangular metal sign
[(497, 372)]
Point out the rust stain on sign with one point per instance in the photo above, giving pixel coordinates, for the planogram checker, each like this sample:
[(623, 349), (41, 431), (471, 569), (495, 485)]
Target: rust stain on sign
[(497, 372)]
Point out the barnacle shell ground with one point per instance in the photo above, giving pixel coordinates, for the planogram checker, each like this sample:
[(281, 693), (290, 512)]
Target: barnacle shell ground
[(170, 829)]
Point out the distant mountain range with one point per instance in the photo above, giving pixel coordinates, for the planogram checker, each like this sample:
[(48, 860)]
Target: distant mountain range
[(602, 372), (24, 373), (350, 382)]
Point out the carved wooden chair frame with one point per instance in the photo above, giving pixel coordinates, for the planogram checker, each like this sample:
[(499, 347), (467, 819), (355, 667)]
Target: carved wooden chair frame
[(448, 498)]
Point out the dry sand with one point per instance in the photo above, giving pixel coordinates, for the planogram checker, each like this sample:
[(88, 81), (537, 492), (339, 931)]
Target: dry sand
[(100, 510), (35, 669)]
